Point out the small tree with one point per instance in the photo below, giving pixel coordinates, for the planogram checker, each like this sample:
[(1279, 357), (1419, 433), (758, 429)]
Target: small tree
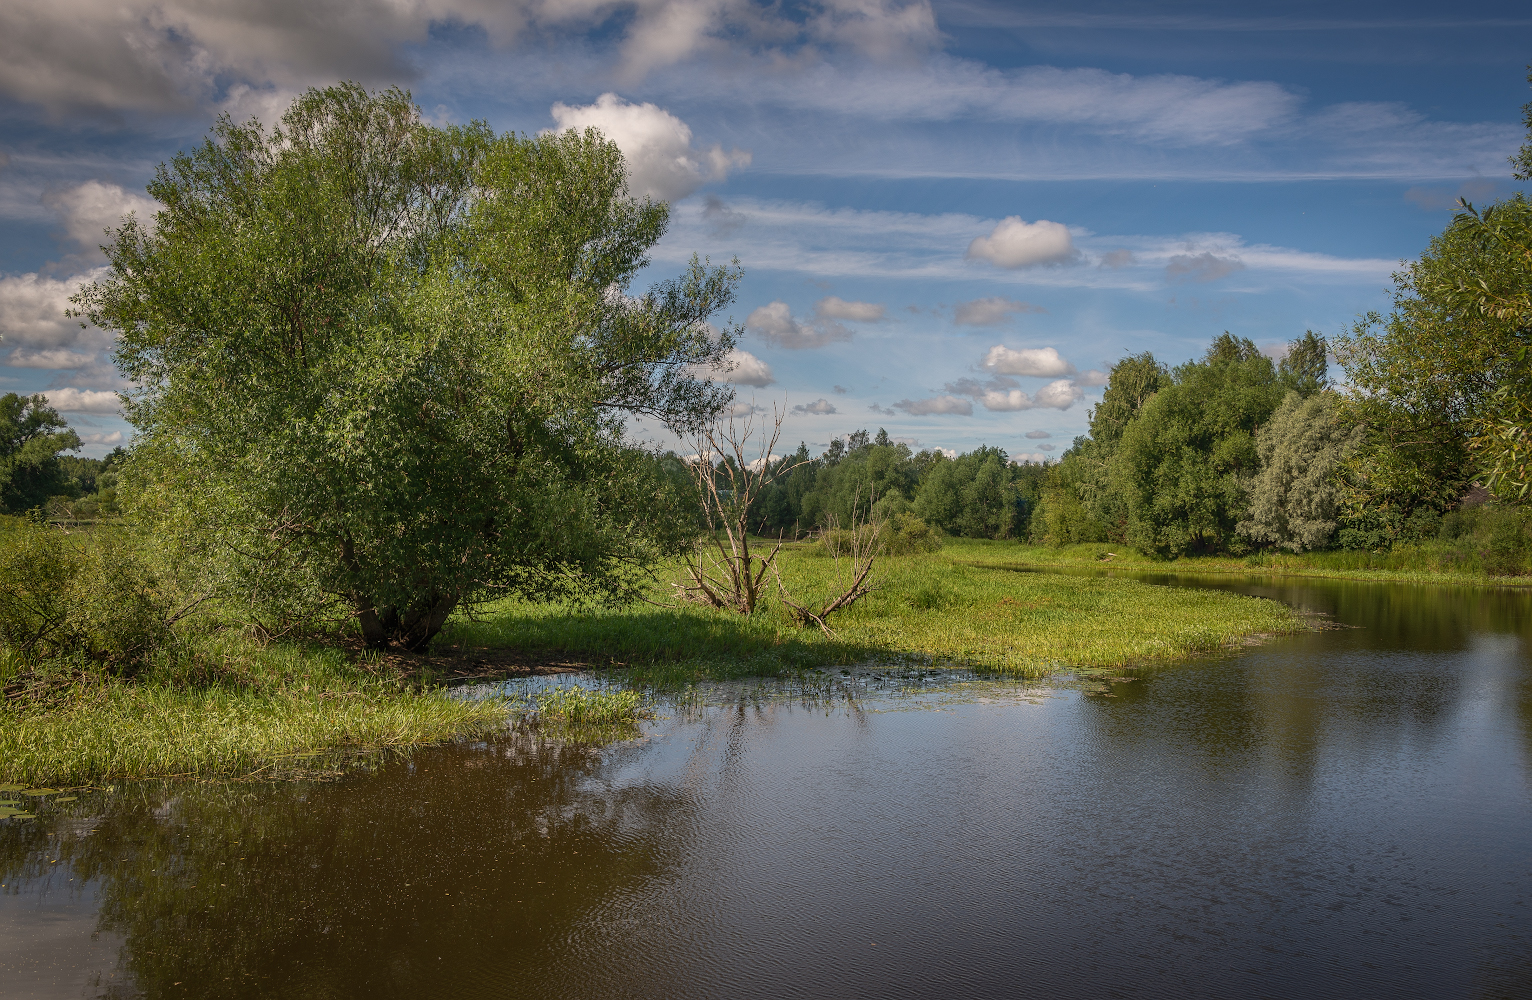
[(386, 364), (721, 567), (1295, 498)]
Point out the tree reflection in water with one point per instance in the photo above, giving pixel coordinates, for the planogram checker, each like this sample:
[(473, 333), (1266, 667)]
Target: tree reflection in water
[(377, 885)]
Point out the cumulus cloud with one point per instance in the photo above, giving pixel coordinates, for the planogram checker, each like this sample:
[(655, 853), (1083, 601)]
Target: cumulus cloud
[(937, 406), (84, 401), (739, 409), (839, 390), (1201, 267), (818, 408), (656, 145), (1014, 243), (1043, 362), (1039, 435), (1000, 395), (744, 368), (1029, 458), (1045, 447), (774, 323), (32, 319), (991, 311), (101, 437), (831, 307), (1092, 377), (90, 209), (1060, 395), (883, 410)]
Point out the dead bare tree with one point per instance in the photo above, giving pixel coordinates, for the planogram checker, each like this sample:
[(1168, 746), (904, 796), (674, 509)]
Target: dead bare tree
[(722, 570), (859, 548)]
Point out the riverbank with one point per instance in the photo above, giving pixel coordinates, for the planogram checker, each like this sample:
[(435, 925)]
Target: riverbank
[(1428, 563), (228, 706)]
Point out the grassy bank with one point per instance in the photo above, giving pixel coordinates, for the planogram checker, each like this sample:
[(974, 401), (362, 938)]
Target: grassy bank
[(223, 705), (964, 606), (1424, 563)]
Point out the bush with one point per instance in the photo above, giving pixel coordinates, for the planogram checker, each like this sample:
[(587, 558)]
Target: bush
[(84, 596), (901, 535)]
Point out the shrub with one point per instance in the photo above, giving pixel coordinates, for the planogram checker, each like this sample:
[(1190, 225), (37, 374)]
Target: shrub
[(86, 596)]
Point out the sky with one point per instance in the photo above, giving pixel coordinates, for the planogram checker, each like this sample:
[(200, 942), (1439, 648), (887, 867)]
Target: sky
[(953, 215)]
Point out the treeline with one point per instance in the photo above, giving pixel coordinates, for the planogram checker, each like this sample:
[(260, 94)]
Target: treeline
[(864, 477), (1426, 437)]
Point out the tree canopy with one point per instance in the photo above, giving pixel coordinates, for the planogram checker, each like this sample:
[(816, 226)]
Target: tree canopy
[(32, 434), (387, 363)]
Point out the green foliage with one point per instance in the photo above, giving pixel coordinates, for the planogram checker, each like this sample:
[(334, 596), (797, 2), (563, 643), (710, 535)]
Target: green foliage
[(1305, 369), (1446, 367), (1182, 464), (32, 434), (382, 362), (979, 494), (1294, 499), (86, 597)]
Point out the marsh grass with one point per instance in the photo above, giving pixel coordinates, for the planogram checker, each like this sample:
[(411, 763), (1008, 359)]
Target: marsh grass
[(224, 706), (943, 608)]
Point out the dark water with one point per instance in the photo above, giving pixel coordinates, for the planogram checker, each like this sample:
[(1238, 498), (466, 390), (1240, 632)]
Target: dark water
[(1345, 813)]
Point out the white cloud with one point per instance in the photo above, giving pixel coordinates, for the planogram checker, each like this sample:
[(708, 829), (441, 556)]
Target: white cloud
[(1060, 395), (745, 368), (1201, 267), (949, 452), (656, 145), (115, 437), (775, 324), (1092, 377), (1115, 259), (1038, 435), (90, 209), (1045, 447), (831, 307), (991, 311), (739, 409), (937, 406), (32, 318), (1015, 243), (1006, 400), (1029, 458), (818, 408), (1043, 362), (84, 401)]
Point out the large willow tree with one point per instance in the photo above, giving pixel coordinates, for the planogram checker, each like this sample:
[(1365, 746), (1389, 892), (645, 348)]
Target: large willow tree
[(387, 362)]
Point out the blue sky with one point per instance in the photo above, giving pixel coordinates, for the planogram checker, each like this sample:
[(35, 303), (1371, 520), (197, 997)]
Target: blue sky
[(952, 216)]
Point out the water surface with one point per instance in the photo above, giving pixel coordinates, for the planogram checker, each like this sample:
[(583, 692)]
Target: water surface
[(1339, 813)]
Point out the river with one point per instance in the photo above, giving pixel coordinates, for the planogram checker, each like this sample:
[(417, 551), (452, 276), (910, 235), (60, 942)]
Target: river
[(1341, 813)]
